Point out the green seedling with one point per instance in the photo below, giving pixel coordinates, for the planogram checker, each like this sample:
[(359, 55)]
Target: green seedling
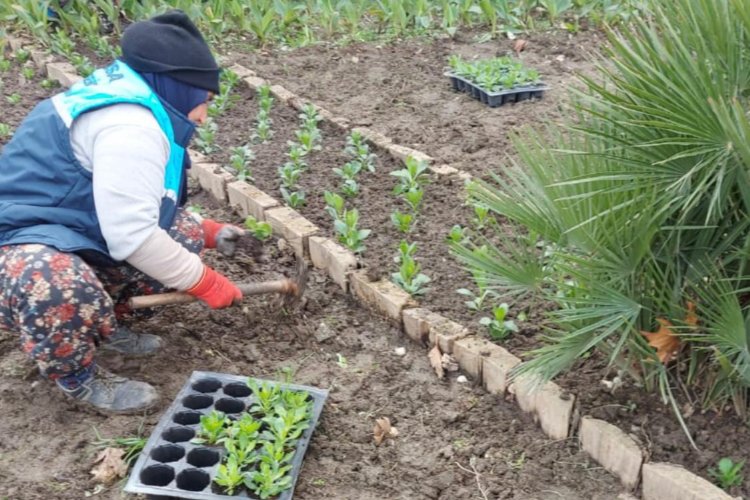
[(409, 277), (360, 151), (266, 396), (4, 65), (5, 131), (413, 198), (207, 137), (476, 302), (289, 174), (349, 235), (229, 475), (14, 99), (22, 55), (411, 177), (499, 328), (294, 199), (309, 117), (239, 161), (212, 429), (260, 230), (308, 140), (28, 72), (62, 44), (83, 64), (195, 208), (334, 205), (727, 473), (296, 155), (242, 448), (49, 84), (458, 235), (402, 222), (264, 93), (341, 361), (481, 216), (263, 131), (349, 171), (350, 188), (270, 480)]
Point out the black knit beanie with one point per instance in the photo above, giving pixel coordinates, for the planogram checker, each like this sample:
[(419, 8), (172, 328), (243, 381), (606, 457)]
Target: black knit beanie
[(171, 44)]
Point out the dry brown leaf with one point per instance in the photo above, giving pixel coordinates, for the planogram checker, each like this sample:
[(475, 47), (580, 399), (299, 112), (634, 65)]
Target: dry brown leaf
[(691, 318), (109, 466), (518, 45), (383, 429), (436, 360), (663, 340)]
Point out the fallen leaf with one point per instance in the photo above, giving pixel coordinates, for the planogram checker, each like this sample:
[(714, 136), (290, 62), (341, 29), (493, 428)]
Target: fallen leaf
[(383, 429), (109, 466), (518, 45), (436, 360), (663, 340), (691, 318), (449, 363)]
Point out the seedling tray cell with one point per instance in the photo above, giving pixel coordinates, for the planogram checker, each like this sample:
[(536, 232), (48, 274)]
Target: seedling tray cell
[(495, 99), (171, 467)]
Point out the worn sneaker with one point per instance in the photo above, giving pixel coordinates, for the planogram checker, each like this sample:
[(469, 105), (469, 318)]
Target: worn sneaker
[(108, 392), (126, 341)]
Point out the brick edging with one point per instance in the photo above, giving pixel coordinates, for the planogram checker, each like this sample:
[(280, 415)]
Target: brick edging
[(488, 363)]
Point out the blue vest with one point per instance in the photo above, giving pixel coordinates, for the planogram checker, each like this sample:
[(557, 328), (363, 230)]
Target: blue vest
[(46, 195)]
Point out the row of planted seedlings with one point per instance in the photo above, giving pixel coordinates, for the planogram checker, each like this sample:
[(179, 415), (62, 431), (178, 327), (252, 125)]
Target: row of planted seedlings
[(399, 218), (258, 444), (21, 87)]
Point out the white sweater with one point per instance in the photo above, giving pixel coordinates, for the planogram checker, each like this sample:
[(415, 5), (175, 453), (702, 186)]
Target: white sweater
[(126, 151)]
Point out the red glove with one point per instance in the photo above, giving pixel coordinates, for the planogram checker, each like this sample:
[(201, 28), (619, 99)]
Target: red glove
[(221, 236), (215, 289)]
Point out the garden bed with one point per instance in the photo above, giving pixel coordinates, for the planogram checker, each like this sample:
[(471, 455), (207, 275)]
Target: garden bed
[(372, 386)]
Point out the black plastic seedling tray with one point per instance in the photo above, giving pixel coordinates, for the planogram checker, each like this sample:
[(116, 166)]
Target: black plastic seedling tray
[(495, 99), (171, 467)]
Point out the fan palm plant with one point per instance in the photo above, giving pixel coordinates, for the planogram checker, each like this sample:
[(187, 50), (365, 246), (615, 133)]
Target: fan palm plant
[(641, 201)]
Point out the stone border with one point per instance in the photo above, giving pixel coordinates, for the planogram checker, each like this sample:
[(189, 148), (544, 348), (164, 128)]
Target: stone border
[(486, 362)]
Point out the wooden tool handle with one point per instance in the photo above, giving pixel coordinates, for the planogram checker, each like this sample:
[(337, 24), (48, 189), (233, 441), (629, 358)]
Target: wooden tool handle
[(285, 286)]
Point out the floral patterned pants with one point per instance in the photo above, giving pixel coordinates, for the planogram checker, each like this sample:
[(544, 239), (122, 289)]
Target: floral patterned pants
[(62, 307)]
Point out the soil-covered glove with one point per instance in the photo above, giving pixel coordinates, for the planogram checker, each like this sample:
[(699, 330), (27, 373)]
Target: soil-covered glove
[(222, 237), (215, 289)]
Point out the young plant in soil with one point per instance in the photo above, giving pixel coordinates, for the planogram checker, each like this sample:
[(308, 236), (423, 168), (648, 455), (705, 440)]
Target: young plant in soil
[(294, 199), (348, 174), (285, 415), (224, 100), (230, 475), (349, 235), (727, 473), (359, 150), (205, 142), (265, 100), (260, 230), (22, 55), (499, 328), (14, 99), (335, 205), (403, 222), (309, 140), (83, 64), (28, 73), (4, 65), (5, 131), (309, 117), (212, 429), (408, 276), (239, 162), (458, 235), (482, 216), (477, 301), (412, 177)]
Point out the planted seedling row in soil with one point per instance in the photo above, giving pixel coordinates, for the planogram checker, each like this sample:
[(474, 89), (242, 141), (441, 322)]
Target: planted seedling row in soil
[(442, 205), (227, 436)]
